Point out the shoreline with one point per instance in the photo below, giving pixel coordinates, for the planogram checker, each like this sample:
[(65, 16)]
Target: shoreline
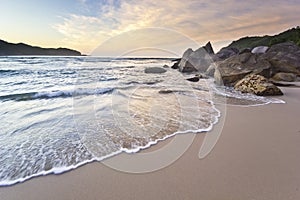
[(255, 158)]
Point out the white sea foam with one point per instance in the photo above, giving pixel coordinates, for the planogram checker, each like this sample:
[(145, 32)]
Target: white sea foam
[(70, 93), (132, 115)]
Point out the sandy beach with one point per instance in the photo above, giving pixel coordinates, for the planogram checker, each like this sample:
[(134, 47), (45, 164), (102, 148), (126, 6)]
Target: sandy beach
[(256, 157)]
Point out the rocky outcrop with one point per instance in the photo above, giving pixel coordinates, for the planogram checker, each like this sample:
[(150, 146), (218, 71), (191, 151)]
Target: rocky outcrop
[(280, 58), (287, 77), (258, 85), (248, 71), (229, 71), (284, 57), (198, 60), (246, 50), (225, 53), (155, 70)]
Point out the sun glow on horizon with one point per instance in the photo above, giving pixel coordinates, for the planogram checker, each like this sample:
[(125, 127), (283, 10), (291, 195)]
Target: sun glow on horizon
[(85, 24)]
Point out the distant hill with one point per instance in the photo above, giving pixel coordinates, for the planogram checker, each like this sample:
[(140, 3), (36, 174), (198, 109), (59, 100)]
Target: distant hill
[(10, 49), (251, 42)]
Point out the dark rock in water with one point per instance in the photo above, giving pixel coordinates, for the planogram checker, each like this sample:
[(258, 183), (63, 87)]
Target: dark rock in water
[(209, 48), (229, 71), (165, 66), (225, 53), (284, 57), (165, 91), (193, 79), (202, 76), (175, 65), (260, 49), (258, 85), (198, 60), (154, 70), (288, 77)]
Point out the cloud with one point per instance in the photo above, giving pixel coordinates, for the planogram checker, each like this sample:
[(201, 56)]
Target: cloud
[(217, 21)]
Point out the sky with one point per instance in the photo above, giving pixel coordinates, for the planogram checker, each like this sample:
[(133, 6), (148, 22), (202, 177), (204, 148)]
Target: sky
[(172, 25)]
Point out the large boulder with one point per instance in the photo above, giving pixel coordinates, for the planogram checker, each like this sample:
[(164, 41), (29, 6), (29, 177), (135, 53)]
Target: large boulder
[(246, 50), (231, 70), (225, 53), (198, 60), (210, 70), (184, 64), (258, 85), (284, 57), (260, 49), (287, 77)]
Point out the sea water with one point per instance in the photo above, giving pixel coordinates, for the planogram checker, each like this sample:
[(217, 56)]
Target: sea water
[(57, 113)]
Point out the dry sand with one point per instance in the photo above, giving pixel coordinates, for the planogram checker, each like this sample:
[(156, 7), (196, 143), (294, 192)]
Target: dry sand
[(256, 157)]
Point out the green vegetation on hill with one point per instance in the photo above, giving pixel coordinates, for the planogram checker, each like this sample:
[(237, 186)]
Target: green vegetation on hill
[(10, 49), (251, 42)]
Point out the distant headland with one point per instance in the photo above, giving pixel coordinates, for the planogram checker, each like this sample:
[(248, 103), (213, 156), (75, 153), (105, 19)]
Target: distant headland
[(21, 49)]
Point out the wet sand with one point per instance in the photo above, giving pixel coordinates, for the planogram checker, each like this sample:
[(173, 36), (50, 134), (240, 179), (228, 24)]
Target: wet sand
[(256, 157)]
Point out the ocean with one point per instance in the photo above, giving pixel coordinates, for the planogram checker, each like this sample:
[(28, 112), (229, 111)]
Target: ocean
[(58, 113)]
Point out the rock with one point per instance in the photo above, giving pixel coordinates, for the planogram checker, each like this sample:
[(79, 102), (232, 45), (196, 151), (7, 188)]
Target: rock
[(211, 70), (165, 66), (193, 79), (184, 64), (229, 79), (231, 70), (258, 85), (288, 77), (260, 49), (154, 70), (175, 65), (209, 48), (282, 84), (202, 76), (165, 91), (198, 60), (246, 50), (225, 53), (284, 57)]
